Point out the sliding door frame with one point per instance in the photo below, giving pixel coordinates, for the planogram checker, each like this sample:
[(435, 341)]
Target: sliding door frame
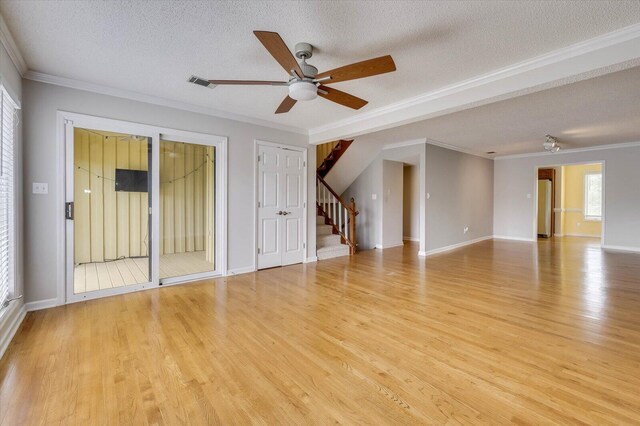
[(219, 143), (66, 122)]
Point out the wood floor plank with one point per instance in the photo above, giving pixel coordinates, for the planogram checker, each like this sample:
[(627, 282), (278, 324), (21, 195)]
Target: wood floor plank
[(499, 332)]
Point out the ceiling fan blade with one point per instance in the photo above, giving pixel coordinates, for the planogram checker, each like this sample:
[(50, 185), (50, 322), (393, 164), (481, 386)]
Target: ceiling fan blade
[(368, 68), (286, 105), (248, 82), (280, 52), (341, 98)]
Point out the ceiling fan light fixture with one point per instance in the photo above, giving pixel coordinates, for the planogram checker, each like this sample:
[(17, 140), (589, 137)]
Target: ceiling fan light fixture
[(303, 91)]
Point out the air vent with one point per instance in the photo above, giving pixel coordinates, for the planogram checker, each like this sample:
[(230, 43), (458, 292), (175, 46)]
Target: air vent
[(491, 152), (201, 82)]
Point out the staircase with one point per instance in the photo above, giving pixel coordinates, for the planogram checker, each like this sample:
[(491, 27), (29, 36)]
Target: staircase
[(336, 220), (328, 244), (334, 154)]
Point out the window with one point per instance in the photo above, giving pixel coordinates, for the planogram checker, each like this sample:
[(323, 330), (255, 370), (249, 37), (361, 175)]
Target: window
[(8, 123), (593, 196)]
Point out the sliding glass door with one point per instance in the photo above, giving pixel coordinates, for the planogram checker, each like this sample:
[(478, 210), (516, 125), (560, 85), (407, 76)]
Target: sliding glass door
[(187, 210), (110, 210), (144, 206)]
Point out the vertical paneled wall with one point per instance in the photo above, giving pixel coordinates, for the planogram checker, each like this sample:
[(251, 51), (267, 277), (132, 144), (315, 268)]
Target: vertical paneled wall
[(187, 182), (111, 225), (108, 224)]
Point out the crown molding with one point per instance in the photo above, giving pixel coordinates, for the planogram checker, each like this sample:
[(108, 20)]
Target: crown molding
[(155, 100), (456, 148), (561, 65), (428, 141), (570, 151), (12, 48), (412, 142)]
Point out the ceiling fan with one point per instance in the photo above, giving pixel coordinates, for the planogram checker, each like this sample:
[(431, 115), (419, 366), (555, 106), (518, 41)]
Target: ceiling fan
[(304, 81)]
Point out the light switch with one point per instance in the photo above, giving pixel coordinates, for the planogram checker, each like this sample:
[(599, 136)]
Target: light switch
[(40, 188), (528, 195), (374, 196), (428, 195)]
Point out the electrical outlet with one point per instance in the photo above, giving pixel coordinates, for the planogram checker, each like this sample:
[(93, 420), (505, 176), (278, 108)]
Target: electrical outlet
[(40, 188), (428, 195), (374, 196), (466, 229)]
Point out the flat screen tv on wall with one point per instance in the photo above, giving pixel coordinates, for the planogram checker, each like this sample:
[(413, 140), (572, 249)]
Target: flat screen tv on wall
[(131, 180)]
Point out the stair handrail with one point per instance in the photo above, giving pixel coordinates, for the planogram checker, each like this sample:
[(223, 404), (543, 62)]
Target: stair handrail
[(337, 212)]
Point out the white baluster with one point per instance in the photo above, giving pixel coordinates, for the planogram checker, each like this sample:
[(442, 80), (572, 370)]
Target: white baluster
[(346, 226)]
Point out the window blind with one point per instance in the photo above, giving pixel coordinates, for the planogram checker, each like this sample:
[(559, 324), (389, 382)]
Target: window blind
[(8, 110)]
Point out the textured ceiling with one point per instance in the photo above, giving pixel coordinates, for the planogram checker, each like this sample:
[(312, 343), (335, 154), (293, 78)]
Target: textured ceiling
[(599, 111), (153, 47)]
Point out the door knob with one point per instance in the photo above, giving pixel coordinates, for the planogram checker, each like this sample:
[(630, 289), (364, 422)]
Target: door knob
[(285, 213), (280, 213)]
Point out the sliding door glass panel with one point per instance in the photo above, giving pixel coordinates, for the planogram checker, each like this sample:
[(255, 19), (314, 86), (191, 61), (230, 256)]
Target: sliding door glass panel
[(187, 209), (111, 210)]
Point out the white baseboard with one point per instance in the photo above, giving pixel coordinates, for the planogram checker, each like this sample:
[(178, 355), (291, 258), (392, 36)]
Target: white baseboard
[(41, 304), (9, 325), (381, 247), (311, 259), (422, 253), (454, 246), (505, 237), (582, 235), (628, 249), (240, 271), (416, 240), (392, 245)]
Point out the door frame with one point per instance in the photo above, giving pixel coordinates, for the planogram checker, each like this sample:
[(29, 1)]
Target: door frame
[(570, 163), (65, 293), (256, 179), (219, 143), (550, 175)]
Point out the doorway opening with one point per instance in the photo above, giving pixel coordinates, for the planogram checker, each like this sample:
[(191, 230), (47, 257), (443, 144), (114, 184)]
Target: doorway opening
[(111, 210), (570, 201)]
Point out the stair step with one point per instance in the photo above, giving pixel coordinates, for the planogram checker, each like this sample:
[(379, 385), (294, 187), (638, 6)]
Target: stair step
[(319, 220), (324, 229), (328, 240), (332, 251)]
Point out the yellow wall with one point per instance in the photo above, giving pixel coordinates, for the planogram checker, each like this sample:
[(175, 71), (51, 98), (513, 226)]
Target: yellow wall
[(110, 224), (573, 222), (187, 180)]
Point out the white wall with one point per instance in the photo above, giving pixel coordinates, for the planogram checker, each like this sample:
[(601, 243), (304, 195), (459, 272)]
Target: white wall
[(460, 188), (370, 181), (392, 189), (369, 221), (41, 101), (515, 193), (411, 203), (9, 75)]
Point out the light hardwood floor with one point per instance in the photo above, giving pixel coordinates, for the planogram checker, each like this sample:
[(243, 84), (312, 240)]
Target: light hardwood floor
[(498, 332), (118, 273)]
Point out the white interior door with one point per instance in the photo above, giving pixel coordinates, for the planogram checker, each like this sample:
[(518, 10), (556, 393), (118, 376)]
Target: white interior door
[(280, 206)]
